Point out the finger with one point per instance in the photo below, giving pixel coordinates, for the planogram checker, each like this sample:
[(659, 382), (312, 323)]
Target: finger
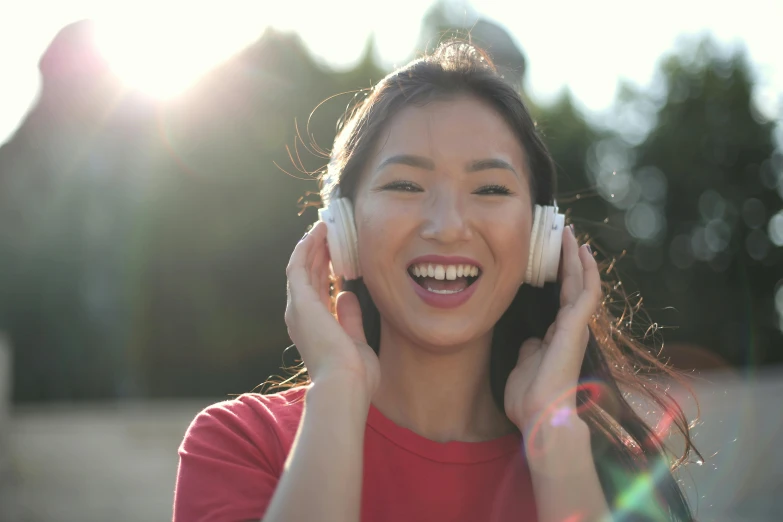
[(591, 295), (320, 273), (569, 339), (564, 357), (314, 239), (349, 315), (297, 271), (300, 264), (528, 348), (572, 283), (549, 333), (327, 281)]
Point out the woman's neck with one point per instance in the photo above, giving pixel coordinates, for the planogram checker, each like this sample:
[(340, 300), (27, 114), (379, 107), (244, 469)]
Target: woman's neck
[(440, 393)]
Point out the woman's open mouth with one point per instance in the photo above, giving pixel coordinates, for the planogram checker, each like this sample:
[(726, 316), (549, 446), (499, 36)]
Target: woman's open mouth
[(444, 286), (444, 279)]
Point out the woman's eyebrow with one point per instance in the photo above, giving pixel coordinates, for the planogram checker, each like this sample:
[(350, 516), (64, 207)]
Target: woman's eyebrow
[(491, 163), (407, 159), (421, 162)]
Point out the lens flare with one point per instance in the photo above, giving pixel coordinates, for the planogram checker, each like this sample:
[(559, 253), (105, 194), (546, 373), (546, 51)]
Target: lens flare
[(167, 140), (638, 497), (561, 413)]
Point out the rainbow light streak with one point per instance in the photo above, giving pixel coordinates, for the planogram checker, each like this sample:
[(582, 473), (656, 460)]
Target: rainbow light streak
[(639, 495), (562, 417), (560, 413), (663, 426)]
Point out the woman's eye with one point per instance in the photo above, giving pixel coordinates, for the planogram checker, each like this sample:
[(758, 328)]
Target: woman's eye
[(494, 190), (404, 186)]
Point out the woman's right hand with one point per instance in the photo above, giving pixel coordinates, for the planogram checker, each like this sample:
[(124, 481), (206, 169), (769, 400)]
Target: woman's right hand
[(328, 346)]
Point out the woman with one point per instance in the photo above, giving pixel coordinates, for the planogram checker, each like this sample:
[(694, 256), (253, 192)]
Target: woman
[(469, 396)]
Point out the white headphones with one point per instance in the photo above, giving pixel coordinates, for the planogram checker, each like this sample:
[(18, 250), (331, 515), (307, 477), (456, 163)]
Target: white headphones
[(545, 242)]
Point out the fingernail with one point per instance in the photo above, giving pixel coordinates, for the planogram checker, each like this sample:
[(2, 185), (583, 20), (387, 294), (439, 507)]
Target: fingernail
[(304, 236), (571, 226), (589, 250)]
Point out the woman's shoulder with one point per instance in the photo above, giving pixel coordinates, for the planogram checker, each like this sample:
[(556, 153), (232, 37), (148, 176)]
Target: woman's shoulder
[(280, 404), (233, 447), (250, 416)]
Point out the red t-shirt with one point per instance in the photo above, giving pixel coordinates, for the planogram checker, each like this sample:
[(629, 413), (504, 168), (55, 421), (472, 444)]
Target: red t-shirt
[(233, 454)]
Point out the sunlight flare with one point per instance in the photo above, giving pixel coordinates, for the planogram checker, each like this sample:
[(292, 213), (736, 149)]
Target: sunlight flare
[(164, 51)]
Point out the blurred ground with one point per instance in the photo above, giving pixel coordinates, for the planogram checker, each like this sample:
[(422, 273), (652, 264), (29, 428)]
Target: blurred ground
[(740, 438), (98, 462), (103, 462)]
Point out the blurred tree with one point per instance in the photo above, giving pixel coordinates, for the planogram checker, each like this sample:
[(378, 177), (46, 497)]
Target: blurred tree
[(696, 204), (227, 223), (65, 217), (569, 138), (144, 243)]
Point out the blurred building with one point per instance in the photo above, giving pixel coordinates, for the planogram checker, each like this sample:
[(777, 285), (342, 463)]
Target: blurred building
[(501, 47)]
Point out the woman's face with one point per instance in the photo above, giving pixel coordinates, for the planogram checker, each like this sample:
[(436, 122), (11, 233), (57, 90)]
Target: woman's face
[(447, 186)]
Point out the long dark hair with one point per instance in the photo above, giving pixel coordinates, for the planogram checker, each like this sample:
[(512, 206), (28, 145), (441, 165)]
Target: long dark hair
[(625, 448)]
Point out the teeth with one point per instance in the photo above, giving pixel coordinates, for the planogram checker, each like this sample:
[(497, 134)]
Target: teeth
[(441, 272), (444, 291)]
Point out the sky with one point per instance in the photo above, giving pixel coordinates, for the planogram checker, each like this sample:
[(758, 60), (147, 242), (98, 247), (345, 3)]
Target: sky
[(585, 46)]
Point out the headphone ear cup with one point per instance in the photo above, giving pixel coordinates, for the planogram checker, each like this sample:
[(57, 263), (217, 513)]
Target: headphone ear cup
[(531, 270), (353, 271), (541, 248), (545, 244), (551, 262), (341, 238)]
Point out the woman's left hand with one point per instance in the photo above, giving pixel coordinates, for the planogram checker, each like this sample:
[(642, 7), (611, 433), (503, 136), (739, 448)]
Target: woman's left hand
[(544, 382)]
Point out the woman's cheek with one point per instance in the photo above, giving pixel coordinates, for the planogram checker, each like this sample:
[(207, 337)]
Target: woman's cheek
[(383, 224), (515, 245), (375, 239), (368, 230)]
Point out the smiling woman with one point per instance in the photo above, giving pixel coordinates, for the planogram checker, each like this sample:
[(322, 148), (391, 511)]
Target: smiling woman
[(442, 382)]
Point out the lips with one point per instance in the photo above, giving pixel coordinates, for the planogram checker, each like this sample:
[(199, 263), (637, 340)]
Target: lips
[(444, 300)]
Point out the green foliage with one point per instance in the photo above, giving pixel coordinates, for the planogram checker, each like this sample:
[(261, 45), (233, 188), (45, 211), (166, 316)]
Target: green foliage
[(711, 261)]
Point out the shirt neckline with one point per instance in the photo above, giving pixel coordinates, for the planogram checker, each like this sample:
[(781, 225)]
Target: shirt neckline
[(455, 452)]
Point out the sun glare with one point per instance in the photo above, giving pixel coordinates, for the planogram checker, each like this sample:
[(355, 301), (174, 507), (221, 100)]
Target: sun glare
[(163, 53)]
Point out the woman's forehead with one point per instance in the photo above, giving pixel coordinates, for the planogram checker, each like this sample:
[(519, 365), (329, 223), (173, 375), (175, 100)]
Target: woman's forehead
[(453, 131)]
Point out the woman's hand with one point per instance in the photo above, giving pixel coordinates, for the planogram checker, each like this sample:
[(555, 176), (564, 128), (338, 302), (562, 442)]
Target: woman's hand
[(328, 346), (542, 387)]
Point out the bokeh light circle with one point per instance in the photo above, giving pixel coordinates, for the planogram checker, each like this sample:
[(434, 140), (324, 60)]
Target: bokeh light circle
[(775, 229)]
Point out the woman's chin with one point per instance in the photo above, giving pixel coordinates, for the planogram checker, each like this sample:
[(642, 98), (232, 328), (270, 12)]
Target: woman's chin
[(442, 333)]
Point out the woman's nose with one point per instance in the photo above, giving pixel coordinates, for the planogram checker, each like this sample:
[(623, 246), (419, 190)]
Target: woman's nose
[(445, 219)]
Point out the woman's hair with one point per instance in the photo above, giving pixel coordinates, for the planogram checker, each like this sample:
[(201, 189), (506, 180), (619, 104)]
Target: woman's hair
[(627, 452)]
